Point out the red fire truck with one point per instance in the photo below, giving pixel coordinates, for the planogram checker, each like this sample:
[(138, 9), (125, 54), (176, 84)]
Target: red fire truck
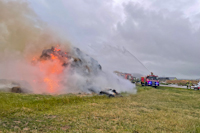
[(150, 80), (127, 76), (130, 77)]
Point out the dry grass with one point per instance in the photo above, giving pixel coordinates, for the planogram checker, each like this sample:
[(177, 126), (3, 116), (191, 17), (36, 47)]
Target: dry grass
[(182, 82), (151, 110)]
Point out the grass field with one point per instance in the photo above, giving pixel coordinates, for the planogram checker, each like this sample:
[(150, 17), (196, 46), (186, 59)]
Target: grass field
[(182, 82), (150, 110)]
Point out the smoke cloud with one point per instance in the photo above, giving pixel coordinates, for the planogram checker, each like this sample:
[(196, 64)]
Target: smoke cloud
[(22, 31), (23, 38)]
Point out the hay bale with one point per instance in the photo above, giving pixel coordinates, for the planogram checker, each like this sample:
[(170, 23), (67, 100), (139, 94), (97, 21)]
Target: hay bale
[(16, 90)]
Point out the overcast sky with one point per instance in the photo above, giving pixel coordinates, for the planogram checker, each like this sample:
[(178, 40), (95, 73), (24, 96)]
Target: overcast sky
[(163, 34)]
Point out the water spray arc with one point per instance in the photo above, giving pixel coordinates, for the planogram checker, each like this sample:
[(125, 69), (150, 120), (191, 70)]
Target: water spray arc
[(136, 59), (123, 50)]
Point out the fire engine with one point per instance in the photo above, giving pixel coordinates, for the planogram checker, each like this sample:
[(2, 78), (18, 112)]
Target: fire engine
[(150, 80), (129, 77)]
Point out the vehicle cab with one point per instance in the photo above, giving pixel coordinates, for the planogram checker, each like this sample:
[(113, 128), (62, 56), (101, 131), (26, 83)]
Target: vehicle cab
[(150, 80)]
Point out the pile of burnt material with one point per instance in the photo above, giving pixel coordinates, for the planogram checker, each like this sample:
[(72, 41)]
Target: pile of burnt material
[(16, 90), (110, 93), (76, 59), (77, 63), (10, 86)]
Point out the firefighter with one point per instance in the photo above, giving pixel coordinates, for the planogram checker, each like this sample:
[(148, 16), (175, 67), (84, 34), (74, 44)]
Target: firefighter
[(190, 84), (187, 84)]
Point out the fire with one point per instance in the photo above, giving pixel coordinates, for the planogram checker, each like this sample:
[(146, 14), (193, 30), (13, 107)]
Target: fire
[(53, 57), (52, 68), (34, 59), (51, 84), (56, 49)]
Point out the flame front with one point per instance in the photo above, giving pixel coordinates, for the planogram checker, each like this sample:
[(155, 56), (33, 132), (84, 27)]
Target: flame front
[(51, 69), (52, 85)]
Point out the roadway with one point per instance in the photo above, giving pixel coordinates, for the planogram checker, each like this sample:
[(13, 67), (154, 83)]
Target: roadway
[(176, 86)]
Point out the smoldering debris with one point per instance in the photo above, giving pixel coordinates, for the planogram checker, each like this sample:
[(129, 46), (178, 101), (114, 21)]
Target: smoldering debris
[(16, 90), (6, 85), (14, 86), (110, 93)]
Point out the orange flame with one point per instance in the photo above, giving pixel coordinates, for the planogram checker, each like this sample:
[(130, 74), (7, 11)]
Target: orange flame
[(51, 84), (52, 70), (53, 57), (57, 48)]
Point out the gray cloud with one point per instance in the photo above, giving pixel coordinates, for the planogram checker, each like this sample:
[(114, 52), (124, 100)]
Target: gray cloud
[(163, 36)]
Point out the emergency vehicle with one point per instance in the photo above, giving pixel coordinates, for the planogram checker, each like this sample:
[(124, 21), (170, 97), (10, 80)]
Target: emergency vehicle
[(150, 80)]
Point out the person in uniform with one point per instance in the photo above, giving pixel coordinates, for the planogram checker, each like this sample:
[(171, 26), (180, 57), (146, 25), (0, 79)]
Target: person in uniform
[(187, 84), (190, 84)]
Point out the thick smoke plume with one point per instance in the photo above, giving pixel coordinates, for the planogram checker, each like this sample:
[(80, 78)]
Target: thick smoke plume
[(22, 31), (39, 61)]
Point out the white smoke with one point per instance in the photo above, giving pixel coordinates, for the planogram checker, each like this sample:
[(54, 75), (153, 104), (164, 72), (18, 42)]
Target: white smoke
[(97, 80), (23, 37), (71, 80)]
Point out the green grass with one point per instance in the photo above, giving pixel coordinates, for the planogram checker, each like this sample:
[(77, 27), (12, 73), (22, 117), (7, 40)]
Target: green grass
[(163, 109)]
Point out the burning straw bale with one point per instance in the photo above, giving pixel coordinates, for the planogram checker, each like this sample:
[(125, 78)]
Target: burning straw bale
[(56, 71), (75, 59), (74, 62)]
